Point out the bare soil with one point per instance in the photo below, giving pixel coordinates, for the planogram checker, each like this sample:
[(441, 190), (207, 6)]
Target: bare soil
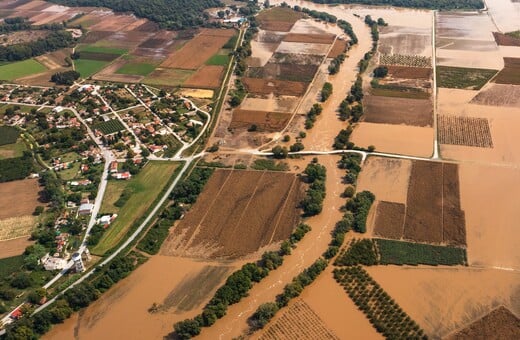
[(506, 40), (310, 38), (14, 247), (24, 192), (278, 87), (264, 120), (510, 74), (392, 110), (339, 47), (278, 19), (303, 48), (498, 95), (238, 213), (389, 221), (468, 131), (405, 72), (208, 76), (499, 324)]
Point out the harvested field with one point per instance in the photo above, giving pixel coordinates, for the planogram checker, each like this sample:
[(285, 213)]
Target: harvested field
[(278, 19), (389, 220), (278, 87), (339, 47), (393, 110), (433, 212), (184, 298), (209, 76), (405, 72), (467, 131), (499, 324), (397, 91), (257, 208), (264, 120), (401, 42), (14, 247), (24, 192), (197, 93), (499, 95), (94, 36), (16, 227), (167, 77), (298, 321), (303, 48), (506, 40), (289, 72), (284, 104), (510, 74), (199, 49), (114, 23), (310, 38)]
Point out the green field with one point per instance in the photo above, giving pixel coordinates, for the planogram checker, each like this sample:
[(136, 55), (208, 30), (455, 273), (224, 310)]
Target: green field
[(463, 78), (398, 252), (100, 49), (515, 34), (10, 265), (21, 69), (168, 77), (88, 67), (8, 135), (218, 59), (110, 126), (12, 150), (140, 69), (145, 187)]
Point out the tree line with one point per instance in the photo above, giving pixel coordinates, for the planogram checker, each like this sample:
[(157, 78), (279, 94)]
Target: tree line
[(428, 4), (54, 41)]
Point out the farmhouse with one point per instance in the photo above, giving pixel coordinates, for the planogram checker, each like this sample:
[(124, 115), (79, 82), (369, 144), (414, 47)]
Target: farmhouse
[(86, 209), (53, 263), (113, 167), (122, 175)]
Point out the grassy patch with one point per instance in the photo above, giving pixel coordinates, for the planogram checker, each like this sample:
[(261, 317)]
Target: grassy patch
[(140, 69), (168, 77), (279, 14), (21, 69), (8, 135), (110, 126), (398, 252), (101, 49), (88, 67), (10, 265), (218, 59), (145, 187), (269, 164), (12, 150), (515, 34), (463, 78)]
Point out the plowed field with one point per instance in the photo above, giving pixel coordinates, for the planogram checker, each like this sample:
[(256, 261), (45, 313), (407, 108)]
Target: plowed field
[(206, 77), (392, 110), (25, 193), (505, 40), (405, 72), (339, 47), (510, 74), (277, 87), (389, 220), (468, 131), (264, 120), (310, 38), (237, 213)]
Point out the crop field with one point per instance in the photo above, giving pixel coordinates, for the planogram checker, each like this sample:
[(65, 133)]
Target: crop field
[(510, 74), (284, 71), (498, 324), (303, 48), (278, 19), (237, 213), (298, 321), (8, 135), (463, 78), (110, 126), (506, 40), (394, 110), (20, 69), (339, 47), (310, 38), (168, 77), (406, 72), (145, 188), (264, 120), (277, 87), (12, 150), (88, 67), (389, 220), (140, 69), (199, 49), (467, 131), (399, 92), (206, 77), (16, 227), (433, 213), (24, 192), (400, 253), (406, 60), (499, 95), (218, 60)]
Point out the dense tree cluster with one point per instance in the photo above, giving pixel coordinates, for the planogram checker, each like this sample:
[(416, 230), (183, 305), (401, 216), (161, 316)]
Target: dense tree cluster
[(14, 24), (341, 141), (359, 252), (326, 91), (53, 192), (437, 4), (312, 115), (65, 78), (360, 206), (12, 169), (347, 28), (312, 204), (171, 14), (52, 42), (335, 64), (317, 14)]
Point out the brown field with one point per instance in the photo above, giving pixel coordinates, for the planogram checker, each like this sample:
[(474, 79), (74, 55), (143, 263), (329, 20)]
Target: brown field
[(285, 71), (24, 192), (310, 38), (505, 40), (392, 110), (195, 52), (499, 324), (443, 300), (14, 247), (95, 36), (55, 59), (124, 39), (114, 23), (389, 220), (405, 72), (433, 212), (206, 77), (339, 47), (278, 87), (510, 74), (287, 47), (298, 321), (167, 77), (238, 213), (99, 56), (468, 131), (498, 95), (278, 19), (264, 120)]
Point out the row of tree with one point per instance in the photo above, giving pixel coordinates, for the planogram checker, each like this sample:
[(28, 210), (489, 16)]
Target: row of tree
[(312, 115), (312, 204), (437, 4), (52, 42)]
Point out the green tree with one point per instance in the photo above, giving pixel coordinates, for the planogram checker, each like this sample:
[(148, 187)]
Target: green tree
[(263, 314)]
